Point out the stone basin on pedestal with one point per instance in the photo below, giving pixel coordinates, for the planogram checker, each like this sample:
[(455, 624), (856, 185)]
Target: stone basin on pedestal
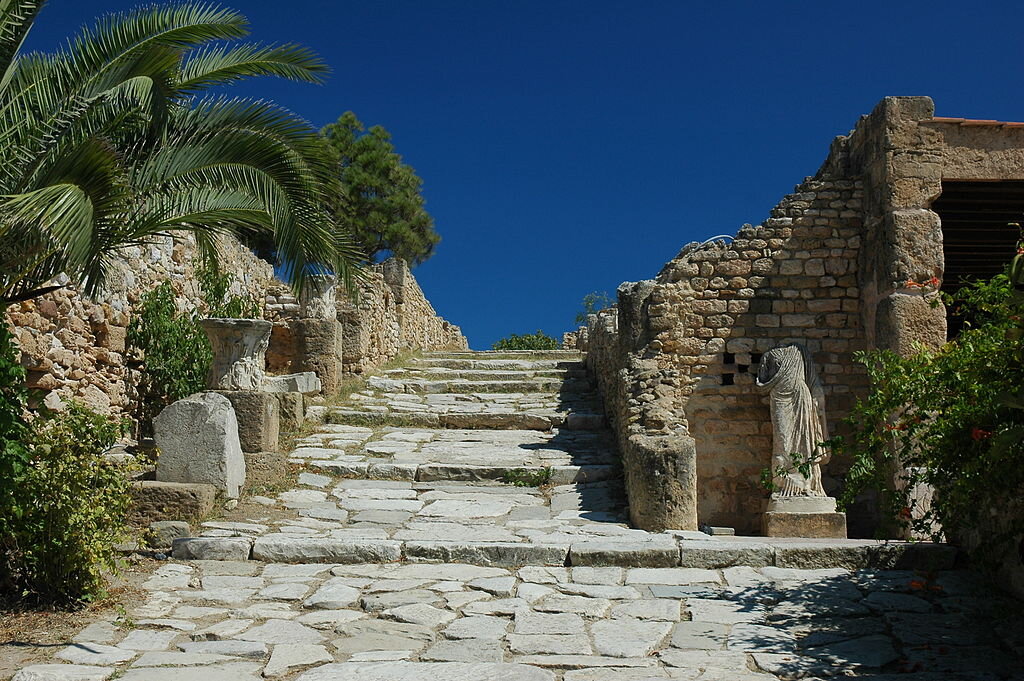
[(237, 373), (239, 352)]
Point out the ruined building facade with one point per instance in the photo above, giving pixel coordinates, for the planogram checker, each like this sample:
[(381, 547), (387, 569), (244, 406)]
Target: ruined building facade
[(903, 206)]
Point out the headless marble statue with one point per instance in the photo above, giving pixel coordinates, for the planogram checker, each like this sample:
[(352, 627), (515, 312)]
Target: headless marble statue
[(788, 374)]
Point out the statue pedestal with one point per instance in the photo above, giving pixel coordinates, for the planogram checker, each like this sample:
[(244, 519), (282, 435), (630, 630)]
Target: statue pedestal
[(812, 517)]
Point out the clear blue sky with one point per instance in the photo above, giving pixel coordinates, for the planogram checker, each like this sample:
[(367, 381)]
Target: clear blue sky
[(567, 146)]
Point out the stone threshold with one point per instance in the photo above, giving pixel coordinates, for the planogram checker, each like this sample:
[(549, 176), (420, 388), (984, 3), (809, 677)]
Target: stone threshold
[(453, 472), (664, 551)]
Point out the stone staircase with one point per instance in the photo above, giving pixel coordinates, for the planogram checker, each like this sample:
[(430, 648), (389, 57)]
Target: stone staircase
[(487, 458), (405, 553)]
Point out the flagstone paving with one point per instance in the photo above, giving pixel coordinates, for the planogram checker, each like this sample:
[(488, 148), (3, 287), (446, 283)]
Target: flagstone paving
[(404, 551)]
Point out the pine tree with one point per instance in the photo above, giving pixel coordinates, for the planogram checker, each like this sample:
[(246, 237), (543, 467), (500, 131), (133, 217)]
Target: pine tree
[(381, 202)]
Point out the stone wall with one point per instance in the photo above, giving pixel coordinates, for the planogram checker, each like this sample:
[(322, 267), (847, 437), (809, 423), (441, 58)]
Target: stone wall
[(851, 260), (388, 314), (837, 267), (74, 346), (680, 353)]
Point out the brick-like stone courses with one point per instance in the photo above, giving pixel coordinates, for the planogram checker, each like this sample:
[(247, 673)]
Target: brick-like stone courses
[(793, 279), (695, 335)]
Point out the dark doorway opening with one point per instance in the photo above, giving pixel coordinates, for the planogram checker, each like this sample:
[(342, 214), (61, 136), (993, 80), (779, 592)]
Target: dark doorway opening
[(978, 239)]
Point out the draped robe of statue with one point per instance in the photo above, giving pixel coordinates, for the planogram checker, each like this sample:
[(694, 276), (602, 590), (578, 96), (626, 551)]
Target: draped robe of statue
[(788, 374)]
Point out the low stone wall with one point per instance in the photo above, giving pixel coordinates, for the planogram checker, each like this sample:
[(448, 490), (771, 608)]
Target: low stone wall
[(73, 346)]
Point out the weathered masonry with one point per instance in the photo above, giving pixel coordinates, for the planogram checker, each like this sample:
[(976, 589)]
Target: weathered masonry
[(74, 346), (904, 205)]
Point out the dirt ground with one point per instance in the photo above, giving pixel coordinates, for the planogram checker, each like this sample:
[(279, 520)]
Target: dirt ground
[(35, 636)]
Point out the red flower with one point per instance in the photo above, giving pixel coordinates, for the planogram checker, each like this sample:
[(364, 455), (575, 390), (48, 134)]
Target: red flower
[(979, 434), (934, 281)]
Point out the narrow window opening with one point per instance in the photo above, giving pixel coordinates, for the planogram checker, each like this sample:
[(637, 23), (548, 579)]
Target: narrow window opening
[(727, 379)]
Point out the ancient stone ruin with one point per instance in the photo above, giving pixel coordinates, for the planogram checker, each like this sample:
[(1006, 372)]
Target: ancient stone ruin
[(904, 205)]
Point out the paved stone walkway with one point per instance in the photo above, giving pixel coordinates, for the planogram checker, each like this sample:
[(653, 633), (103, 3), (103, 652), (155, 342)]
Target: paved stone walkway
[(405, 551)]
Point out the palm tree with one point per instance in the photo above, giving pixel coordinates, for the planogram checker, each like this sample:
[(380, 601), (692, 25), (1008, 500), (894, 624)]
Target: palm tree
[(110, 141)]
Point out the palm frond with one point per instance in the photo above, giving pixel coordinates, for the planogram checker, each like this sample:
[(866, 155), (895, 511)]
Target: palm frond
[(222, 64), (16, 18)]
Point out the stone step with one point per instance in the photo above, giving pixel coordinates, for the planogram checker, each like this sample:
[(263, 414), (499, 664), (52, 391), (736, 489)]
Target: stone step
[(463, 386), (443, 374), (471, 421), (522, 364), (663, 551), (508, 354), (561, 474)]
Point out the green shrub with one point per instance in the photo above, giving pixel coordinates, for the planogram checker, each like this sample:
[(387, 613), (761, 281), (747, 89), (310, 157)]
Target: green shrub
[(952, 417), (14, 457), (174, 346), (67, 510), (531, 341)]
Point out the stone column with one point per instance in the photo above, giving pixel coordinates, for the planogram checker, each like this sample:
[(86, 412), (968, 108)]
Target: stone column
[(237, 373), (239, 352)]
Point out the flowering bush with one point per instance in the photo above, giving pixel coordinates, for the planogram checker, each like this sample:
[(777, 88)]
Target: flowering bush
[(952, 418)]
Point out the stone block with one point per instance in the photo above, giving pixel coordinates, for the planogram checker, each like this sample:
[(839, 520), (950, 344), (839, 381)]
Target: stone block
[(282, 548), (154, 501), (902, 320), (506, 554), (265, 469), (259, 419), (319, 343), (661, 482), (162, 533), (212, 548), (305, 382), (625, 554), (812, 525), (715, 554), (291, 407), (198, 438)]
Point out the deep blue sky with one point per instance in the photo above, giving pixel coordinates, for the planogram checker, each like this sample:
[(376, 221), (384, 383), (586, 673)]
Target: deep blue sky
[(567, 146)]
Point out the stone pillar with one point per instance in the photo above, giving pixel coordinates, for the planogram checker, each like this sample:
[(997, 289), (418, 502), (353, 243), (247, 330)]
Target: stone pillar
[(239, 352), (237, 373), (661, 481), (320, 351)]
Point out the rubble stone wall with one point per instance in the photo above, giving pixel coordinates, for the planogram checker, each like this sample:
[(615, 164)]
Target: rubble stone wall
[(73, 346), (680, 353)]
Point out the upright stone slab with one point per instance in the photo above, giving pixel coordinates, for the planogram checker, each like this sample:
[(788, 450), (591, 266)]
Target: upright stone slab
[(198, 441)]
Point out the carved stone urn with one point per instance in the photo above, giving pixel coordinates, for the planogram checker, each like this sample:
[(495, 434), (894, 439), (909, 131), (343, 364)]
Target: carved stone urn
[(239, 352), (319, 297)]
